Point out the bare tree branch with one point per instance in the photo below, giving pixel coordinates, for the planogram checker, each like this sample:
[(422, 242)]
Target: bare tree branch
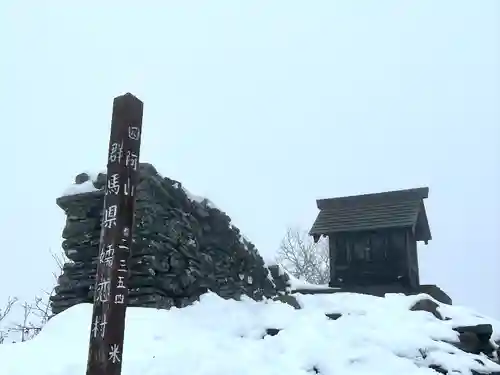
[(22, 328), (7, 308), (41, 305), (303, 258), (35, 314), (4, 312)]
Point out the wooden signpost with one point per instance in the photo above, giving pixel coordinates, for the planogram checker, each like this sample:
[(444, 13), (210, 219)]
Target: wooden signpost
[(111, 290)]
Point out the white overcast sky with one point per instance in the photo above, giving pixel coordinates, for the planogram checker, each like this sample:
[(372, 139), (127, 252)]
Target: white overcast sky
[(263, 107)]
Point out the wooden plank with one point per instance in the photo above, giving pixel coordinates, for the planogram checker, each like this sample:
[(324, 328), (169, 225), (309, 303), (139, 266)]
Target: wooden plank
[(111, 290)]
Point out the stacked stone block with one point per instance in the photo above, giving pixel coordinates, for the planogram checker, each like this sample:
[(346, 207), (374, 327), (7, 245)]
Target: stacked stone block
[(183, 247)]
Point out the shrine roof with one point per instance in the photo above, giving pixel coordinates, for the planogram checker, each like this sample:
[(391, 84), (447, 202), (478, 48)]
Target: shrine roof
[(393, 209)]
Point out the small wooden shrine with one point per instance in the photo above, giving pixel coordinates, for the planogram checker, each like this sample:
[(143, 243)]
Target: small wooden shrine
[(373, 237)]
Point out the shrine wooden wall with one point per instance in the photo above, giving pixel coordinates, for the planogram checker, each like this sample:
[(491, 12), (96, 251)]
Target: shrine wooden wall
[(374, 257)]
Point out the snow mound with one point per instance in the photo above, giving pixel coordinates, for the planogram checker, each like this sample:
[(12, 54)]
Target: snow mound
[(374, 336)]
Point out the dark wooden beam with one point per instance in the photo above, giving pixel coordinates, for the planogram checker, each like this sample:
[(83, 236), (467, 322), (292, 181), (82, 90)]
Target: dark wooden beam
[(111, 291)]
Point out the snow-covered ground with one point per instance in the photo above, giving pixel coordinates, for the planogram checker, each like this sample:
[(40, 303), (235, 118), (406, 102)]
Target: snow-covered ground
[(220, 337)]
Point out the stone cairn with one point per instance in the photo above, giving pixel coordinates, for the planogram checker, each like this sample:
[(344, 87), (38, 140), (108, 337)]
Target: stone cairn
[(183, 247)]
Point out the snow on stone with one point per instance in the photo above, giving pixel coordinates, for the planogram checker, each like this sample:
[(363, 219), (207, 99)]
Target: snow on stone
[(75, 189), (295, 283), (463, 316), (210, 204), (199, 199), (374, 336), (243, 237), (192, 197), (86, 187)]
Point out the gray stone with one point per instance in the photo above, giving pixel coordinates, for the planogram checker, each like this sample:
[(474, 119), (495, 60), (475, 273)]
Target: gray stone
[(81, 178), (181, 249), (476, 339), (333, 316), (288, 299), (427, 305), (100, 181)]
